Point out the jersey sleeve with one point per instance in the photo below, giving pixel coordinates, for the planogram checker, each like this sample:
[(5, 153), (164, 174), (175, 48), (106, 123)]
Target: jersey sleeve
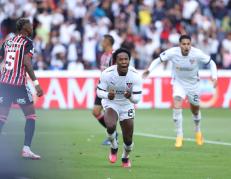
[(103, 82), (166, 55), (202, 57), (136, 90), (29, 49)]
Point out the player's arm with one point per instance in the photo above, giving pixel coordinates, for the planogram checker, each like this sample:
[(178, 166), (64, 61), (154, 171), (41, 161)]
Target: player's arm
[(152, 66), (213, 68), (102, 89), (29, 51), (30, 72), (213, 71), (164, 56)]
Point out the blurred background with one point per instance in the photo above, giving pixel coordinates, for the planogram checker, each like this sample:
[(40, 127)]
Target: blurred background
[(67, 33)]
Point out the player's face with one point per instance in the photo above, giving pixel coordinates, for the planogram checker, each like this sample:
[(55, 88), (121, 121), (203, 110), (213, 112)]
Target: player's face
[(122, 61), (185, 46), (28, 28), (104, 43)]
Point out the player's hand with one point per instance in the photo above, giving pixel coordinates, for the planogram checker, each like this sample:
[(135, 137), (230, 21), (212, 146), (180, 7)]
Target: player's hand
[(145, 74), (127, 94), (111, 94), (39, 90), (214, 83)]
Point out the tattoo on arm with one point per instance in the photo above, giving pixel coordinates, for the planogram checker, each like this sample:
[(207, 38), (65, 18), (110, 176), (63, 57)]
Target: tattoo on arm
[(29, 67)]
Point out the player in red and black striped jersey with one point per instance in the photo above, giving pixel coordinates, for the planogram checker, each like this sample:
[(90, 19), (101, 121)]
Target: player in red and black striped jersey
[(15, 61), (105, 61)]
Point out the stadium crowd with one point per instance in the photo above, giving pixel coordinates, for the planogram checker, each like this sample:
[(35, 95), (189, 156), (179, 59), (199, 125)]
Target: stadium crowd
[(67, 33)]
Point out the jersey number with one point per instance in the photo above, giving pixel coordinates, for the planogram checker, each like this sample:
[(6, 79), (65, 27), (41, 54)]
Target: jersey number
[(196, 98), (130, 113), (10, 59)]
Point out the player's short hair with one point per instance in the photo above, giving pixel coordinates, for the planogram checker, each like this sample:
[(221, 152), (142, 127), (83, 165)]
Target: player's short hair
[(185, 36), (20, 23), (110, 38), (120, 50)]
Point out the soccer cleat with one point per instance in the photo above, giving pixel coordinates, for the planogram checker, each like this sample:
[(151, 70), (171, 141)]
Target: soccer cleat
[(199, 138), (126, 163), (179, 142), (106, 142), (113, 155), (28, 154)]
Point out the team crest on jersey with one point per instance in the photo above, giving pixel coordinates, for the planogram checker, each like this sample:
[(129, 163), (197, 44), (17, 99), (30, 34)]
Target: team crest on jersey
[(129, 85), (192, 61), (9, 43)]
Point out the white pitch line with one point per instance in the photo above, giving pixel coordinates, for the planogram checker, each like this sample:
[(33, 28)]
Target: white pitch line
[(185, 139)]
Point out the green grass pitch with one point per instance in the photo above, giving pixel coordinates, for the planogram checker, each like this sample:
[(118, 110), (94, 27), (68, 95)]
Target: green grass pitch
[(69, 142)]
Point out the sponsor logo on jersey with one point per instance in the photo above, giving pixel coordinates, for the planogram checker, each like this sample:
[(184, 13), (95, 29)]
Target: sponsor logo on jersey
[(9, 43), (129, 85), (21, 101), (192, 61)]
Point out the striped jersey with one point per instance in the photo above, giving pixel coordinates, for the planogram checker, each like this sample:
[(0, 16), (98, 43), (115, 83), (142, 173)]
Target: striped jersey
[(12, 52), (106, 60)]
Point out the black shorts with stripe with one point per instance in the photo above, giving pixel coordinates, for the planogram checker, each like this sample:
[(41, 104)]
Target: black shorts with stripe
[(98, 101), (15, 94)]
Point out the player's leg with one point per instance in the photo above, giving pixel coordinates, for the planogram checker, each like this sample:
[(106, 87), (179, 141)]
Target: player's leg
[(5, 104), (196, 116), (4, 111), (29, 113), (127, 127), (97, 111), (111, 117), (178, 97), (99, 115), (28, 109), (127, 114)]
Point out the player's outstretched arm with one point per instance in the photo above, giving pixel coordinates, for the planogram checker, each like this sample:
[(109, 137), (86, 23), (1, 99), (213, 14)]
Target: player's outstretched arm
[(152, 66), (213, 70), (30, 71)]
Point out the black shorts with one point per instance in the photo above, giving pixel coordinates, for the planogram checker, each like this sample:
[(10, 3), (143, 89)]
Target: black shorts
[(15, 94), (98, 101)]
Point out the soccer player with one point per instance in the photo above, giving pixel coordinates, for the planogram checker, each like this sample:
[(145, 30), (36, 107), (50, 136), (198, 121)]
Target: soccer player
[(105, 62), (185, 82), (15, 56), (120, 89)]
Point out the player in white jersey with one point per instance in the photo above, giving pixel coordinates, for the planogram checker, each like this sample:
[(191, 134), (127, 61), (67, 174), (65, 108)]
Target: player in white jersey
[(105, 62), (185, 81), (120, 88)]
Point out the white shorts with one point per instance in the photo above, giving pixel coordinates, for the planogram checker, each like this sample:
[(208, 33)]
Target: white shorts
[(193, 96), (123, 111)]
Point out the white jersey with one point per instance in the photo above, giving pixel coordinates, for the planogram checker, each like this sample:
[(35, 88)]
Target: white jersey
[(185, 68), (110, 79)]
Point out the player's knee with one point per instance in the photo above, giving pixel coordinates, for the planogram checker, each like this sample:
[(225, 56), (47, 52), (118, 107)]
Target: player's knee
[(177, 114), (111, 127), (31, 117)]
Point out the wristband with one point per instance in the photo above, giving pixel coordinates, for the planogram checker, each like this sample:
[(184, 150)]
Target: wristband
[(36, 82)]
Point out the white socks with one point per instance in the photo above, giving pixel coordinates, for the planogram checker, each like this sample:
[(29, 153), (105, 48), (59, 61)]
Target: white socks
[(178, 119), (197, 119), (26, 148), (112, 139), (126, 150)]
